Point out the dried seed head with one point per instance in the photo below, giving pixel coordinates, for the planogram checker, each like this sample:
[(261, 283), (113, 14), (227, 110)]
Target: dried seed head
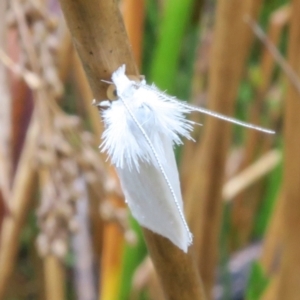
[(53, 44), (130, 237), (52, 23), (46, 157), (88, 138), (90, 177), (65, 210), (106, 210), (73, 225), (42, 244), (50, 225), (110, 185), (61, 156), (59, 248)]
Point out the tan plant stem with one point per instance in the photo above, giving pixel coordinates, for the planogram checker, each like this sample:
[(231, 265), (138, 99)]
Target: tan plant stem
[(21, 200), (134, 14), (271, 292), (246, 204), (53, 268), (5, 118), (284, 65), (250, 175), (111, 261), (87, 96), (176, 270), (108, 240), (20, 206), (64, 56), (273, 239), (289, 287), (96, 124), (99, 36), (204, 189), (278, 21), (100, 39), (54, 276), (25, 36)]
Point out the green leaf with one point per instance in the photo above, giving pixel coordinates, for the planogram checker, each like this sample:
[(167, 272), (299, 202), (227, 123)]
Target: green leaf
[(132, 257), (166, 55), (258, 282)]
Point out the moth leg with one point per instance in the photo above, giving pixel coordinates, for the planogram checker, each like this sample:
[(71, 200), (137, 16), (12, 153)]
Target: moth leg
[(102, 105)]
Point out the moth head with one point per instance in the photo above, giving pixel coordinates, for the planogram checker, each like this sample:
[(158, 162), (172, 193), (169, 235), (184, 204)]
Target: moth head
[(112, 93)]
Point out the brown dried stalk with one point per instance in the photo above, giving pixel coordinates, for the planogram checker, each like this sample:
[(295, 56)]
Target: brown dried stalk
[(176, 270), (87, 96), (278, 21), (271, 292), (53, 268), (198, 93), (250, 175), (102, 55), (23, 185), (64, 150), (111, 261), (247, 203), (273, 239), (54, 273), (108, 240), (21, 200), (285, 66), (100, 39), (204, 189), (289, 287), (134, 14), (5, 118)]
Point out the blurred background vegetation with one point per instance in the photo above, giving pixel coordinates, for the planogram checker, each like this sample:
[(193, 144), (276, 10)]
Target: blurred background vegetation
[(65, 231)]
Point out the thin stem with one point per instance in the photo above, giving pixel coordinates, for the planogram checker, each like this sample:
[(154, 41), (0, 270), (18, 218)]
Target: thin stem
[(282, 62)]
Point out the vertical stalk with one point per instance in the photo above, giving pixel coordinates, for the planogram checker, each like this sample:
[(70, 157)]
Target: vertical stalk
[(273, 237), (134, 14), (53, 268), (54, 276), (203, 192), (21, 199), (111, 262), (100, 39), (107, 239), (5, 117), (289, 287), (246, 204)]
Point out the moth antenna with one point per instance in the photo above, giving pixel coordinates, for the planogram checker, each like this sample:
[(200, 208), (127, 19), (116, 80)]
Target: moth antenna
[(160, 167), (107, 81), (207, 111), (228, 119)]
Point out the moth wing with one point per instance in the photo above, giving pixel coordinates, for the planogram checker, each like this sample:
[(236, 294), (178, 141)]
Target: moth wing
[(150, 199)]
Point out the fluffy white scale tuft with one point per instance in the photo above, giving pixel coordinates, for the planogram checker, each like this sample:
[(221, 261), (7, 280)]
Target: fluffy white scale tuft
[(141, 128), (160, 118)]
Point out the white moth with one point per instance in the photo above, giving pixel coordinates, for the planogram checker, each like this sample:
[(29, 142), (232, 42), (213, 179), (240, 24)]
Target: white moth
[(141, 128)]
